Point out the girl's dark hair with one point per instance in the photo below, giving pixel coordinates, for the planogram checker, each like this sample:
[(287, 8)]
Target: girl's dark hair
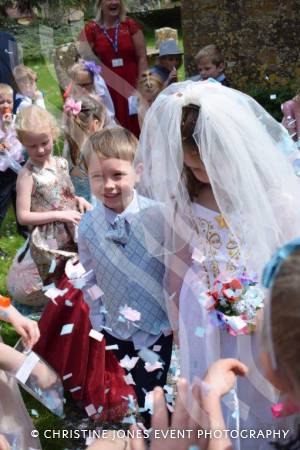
[(189, 119)]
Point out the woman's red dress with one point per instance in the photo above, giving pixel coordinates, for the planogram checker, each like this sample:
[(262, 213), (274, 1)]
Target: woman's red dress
[(122, 80), (91, 373)]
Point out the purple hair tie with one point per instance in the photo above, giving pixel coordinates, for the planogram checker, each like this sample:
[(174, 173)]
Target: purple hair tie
[(92, 67)]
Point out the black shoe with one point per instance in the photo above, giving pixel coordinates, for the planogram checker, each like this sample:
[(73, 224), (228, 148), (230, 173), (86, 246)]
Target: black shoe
[(3, 254)]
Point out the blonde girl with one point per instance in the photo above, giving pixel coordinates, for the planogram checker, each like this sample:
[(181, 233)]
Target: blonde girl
[(83, 116), (149, 87), (86, 79)]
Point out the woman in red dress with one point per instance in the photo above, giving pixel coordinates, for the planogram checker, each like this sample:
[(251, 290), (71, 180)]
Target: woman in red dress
[(119, 44)]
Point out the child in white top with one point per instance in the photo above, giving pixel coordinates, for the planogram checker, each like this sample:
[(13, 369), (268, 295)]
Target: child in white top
[(230, 198)]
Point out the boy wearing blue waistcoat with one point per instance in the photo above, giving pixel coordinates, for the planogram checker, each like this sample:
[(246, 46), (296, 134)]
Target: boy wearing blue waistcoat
[(130, 311)]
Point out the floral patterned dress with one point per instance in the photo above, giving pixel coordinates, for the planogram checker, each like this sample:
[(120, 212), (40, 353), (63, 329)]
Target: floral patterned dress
[(52, 191)]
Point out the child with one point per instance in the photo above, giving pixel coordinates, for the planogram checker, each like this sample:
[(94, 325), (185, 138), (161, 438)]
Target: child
[(9, 146), (149, 87), (46, 201), (291, 117), (14, 419), (111, 241), (86, 79), (28, 93), (210, 64), (168, 63), (82, 116), (215, 171)]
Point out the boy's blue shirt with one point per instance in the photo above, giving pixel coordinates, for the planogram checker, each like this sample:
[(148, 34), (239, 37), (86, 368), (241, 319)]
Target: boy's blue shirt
[(126, 272)]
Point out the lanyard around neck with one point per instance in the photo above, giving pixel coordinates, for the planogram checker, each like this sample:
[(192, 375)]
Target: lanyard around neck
[(114, 42)]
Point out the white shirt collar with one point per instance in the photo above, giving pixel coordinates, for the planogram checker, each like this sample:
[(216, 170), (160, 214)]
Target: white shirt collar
[(127, 214)]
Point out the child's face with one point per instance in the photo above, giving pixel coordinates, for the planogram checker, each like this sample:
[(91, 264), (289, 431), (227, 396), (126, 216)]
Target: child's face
[(192, 160), (27, 87), (171, 61), (6, 102), (84, 83), (112, 181), (39, 146), (208, 69)]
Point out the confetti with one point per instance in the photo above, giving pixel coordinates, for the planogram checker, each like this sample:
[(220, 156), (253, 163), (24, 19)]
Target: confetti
[(100, 409), (128, 379), (26, 368), (152, 367), (90, 410), (130, 314), (68, 303), (157, 348), (74, 271), (112, 347), (34, 413), (67, 329), (96, 335), (200, 332), (95, 292), (130, 420), (273, 96), (198, 256), (67, 376), (52, 266), (53, 292), (75, 389), (148, 355), (128, 363)]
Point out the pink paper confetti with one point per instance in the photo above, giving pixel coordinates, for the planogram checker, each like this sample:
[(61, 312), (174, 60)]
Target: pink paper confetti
[(130, 314)]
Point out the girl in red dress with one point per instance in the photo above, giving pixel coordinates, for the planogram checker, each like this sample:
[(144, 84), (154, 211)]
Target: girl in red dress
[(119, 44), (46, 201)]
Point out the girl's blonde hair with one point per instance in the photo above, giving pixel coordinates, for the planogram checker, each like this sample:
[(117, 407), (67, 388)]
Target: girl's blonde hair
[(75, 127), (22, 72), (117, 143), (149, 82), (98, 11), (189, 118), (34, 119), (78, 67), (285, 319), (6, 89)]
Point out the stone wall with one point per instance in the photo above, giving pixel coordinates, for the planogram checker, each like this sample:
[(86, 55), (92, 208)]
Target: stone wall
[(259, 38)]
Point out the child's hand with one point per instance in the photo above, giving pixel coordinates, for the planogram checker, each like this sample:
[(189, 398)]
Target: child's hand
[(37, 94), (83, 205), (26, 328), (188, 415), (4, 445), (222, 374), (69, 215), (44, 376), (172, 78)]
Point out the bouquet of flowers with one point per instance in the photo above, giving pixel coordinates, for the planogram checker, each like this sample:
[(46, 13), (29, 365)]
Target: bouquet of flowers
[(233, 303)]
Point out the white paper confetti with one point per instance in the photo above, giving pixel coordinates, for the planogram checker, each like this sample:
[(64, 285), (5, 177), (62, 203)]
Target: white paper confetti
[(128, 363), (112, 347), (96, 335), (54, 292), (157, 348), (52, 266), (148, 355), (273, 96), (128, 379), (67, 329), (67, 376), (90, 410), (152, 367), (95, 292), (75, 389), (200, 332), (130, 314), (68, 303)]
